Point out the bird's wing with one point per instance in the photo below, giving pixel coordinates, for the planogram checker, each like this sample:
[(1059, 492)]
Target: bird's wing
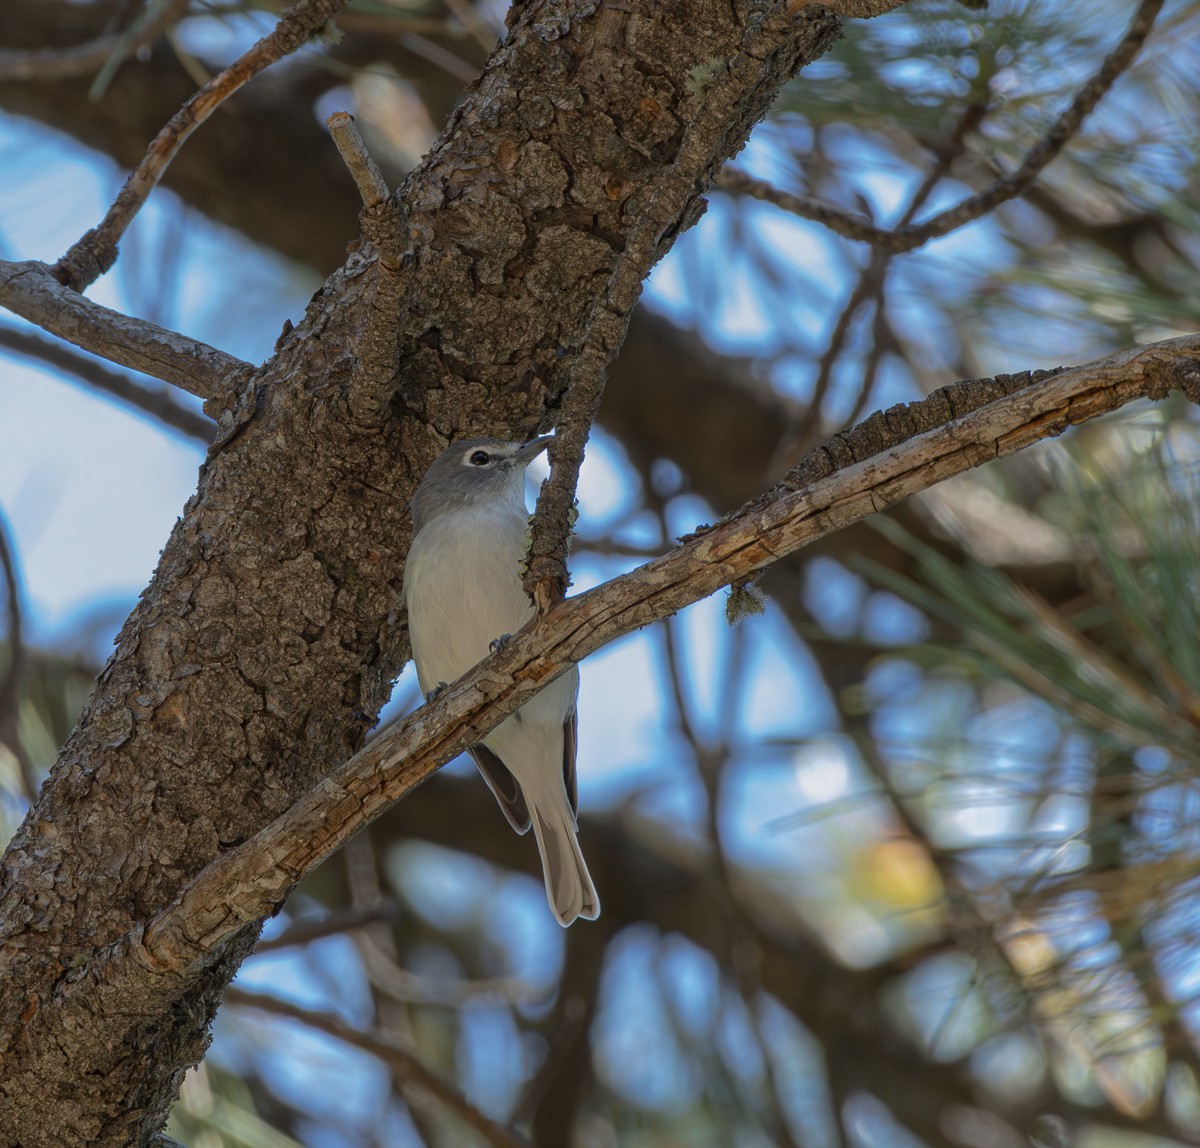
[(570, 747), (502, 783)]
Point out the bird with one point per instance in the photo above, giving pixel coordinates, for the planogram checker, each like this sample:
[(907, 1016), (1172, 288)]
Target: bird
[(463, 592)]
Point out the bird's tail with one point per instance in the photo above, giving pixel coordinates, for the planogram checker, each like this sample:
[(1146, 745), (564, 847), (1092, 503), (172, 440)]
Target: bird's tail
[(569, 887)]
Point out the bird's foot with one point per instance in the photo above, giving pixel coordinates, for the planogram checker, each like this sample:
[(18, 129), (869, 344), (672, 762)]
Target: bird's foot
[(499, 643), (435, 693)]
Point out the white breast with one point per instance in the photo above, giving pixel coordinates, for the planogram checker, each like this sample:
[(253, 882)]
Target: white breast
[(462, 586)]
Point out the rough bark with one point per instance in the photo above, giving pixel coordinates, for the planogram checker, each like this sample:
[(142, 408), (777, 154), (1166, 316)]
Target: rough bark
[(263, 648), (891, 455), (886, 458), (668, 395)]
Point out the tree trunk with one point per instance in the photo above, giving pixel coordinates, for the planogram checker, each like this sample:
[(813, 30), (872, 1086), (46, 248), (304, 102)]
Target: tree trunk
[(264, 646)]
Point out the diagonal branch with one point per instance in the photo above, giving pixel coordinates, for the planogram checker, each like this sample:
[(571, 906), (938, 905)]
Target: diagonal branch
[(869, 292), (51, 63), (158, 404), (910, 236), (546, 578), (96, 251), (10, 684), (888, 457), (104, 52), (31, 291), (398, 1059)]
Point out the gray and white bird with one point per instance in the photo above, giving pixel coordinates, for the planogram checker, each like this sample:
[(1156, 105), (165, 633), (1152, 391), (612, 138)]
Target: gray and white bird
[(462, 587)]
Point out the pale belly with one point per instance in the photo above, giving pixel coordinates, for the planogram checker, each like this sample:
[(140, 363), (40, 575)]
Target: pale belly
[(463, 589)]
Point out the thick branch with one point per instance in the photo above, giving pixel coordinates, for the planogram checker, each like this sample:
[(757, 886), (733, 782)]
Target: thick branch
[(666, 215), (31, 291), (252, 880)]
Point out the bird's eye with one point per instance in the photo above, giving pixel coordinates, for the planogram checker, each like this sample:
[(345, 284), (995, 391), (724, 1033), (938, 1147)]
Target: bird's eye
[(480, 458)]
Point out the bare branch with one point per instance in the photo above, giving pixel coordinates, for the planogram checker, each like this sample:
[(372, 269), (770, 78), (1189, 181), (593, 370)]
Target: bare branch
[(339, 921), (878, 463), (31, 291), (382, 220), (10, 684), (96, 251), (847, 224), (1062, 132), (57, 63), (159, 404), (398, 1059), (53, 63), (443, 58), (910, 236), (465, 14), (366, 174), (546, 578), (870, 291)]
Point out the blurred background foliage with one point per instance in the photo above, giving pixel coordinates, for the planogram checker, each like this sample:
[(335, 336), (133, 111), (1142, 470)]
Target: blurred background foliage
[(908, 858)]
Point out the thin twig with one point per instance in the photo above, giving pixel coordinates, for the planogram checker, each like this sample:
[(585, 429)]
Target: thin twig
[(377, 948), (159, 404), (363, 169), (96, 251), (440, 57), (464, 12), (400, 1061), (572, 1014), (340, 921), (10, 684), (31, 291), (141, 31), (847, 224), (104, 51), (56, 63), (394, 22), (1065, 128), (396, 982), (871, 289), (883, 339), (868, 289), (391, 1017), (908, 237)]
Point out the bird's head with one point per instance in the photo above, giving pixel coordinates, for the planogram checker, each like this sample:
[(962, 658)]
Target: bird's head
[(475, 472)]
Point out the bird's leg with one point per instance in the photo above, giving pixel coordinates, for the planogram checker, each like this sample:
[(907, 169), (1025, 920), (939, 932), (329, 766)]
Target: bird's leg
[(499, 643), (435, 693)]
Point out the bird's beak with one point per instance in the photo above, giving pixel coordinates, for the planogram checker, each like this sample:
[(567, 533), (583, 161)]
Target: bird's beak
[(532, 449)]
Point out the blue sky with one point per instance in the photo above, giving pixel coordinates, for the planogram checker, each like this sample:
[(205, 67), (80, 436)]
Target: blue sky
[(92, 491)]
